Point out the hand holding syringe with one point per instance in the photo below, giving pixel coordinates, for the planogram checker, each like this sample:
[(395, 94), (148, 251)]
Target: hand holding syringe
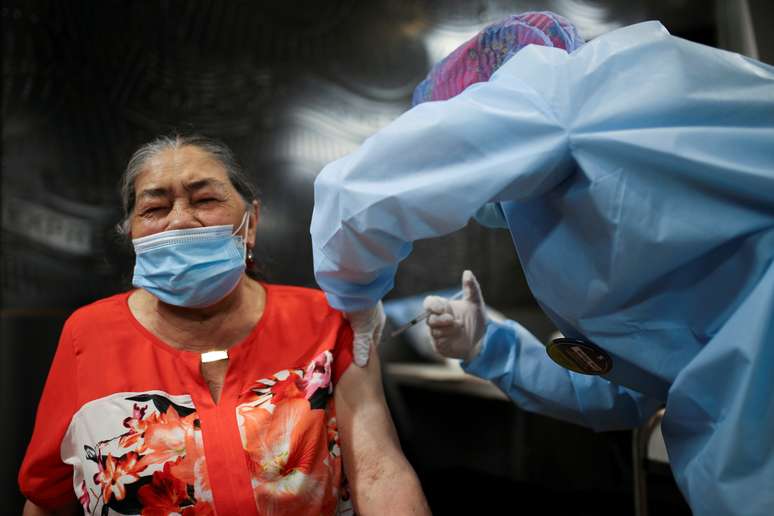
[(421, 317)]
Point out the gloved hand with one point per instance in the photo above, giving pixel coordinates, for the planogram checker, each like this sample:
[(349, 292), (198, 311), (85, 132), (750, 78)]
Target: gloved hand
[(458, 326), (367, 326)]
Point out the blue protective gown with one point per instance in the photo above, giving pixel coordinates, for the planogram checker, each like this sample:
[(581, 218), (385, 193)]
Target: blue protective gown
[(636, 176)]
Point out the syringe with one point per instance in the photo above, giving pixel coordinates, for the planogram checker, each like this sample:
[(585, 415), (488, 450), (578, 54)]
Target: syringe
[(421, 317)]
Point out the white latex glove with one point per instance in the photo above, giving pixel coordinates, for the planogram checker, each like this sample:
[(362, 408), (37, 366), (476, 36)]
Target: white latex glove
[(458, 326), (367, 326)]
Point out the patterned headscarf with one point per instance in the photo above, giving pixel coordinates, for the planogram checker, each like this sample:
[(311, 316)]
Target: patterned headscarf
[(478, 58)]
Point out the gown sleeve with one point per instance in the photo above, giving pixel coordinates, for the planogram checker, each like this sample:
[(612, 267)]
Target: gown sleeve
[(425, 175), (517, 363), (44, 478)]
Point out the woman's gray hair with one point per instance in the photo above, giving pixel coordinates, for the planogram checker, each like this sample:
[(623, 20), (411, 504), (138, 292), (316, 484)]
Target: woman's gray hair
[(218, 150)]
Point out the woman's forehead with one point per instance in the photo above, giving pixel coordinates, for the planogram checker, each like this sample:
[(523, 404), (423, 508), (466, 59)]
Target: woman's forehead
[(180, 167)]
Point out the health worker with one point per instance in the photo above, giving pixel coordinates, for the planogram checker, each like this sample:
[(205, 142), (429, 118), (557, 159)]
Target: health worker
[(635, 173)]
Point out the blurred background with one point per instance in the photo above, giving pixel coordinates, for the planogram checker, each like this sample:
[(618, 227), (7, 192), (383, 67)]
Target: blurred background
[(289, 86)]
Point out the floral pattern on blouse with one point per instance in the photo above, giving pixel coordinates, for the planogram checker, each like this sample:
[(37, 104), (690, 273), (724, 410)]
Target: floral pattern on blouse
[(156, 466), (291, 441)]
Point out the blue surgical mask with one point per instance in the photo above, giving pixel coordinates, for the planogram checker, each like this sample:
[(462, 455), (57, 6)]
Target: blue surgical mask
[(191, 267)]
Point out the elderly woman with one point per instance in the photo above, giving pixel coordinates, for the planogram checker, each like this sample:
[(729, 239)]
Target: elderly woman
[(204, 390)]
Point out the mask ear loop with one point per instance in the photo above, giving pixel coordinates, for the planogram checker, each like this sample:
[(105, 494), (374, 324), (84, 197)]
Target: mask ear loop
[(245, 222)]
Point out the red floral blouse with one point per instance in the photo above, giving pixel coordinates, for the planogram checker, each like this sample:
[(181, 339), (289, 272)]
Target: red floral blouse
[(128, 422)]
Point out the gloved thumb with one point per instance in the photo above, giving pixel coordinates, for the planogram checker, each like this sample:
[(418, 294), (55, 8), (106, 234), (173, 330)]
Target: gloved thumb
[(471, 291)]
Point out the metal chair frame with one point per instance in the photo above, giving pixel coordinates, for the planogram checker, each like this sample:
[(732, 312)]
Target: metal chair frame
[(640, 439)]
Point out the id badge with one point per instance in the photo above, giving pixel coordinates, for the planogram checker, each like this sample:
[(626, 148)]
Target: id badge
[(580, 356)]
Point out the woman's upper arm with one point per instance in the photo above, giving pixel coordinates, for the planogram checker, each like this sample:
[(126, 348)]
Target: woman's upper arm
[(377, 470), (43, 477), (364, 421), (30, 509)]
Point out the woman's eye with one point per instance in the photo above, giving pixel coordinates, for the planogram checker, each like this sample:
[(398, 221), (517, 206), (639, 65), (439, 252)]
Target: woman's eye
[(206, 200), (153, 210)]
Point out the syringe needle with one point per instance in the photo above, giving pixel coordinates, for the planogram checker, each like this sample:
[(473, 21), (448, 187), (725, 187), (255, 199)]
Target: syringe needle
[(411, 323), (421, 317)]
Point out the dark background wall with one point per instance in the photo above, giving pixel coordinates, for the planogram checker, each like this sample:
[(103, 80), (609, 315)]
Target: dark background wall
[(288, 85)]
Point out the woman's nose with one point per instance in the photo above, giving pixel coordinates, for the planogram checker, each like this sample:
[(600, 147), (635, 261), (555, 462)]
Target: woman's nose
[(181, 216)]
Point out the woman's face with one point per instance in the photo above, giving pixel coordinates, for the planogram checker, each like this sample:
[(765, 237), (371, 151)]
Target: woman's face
[(186, 188)]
